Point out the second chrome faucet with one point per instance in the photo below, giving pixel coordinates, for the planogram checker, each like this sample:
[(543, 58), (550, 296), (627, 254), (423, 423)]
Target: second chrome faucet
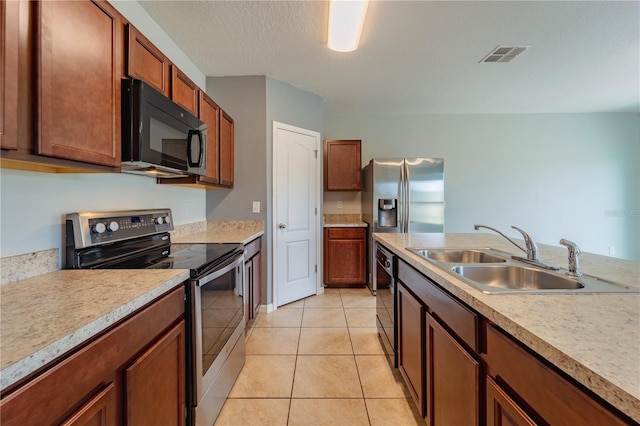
[(531, 248)]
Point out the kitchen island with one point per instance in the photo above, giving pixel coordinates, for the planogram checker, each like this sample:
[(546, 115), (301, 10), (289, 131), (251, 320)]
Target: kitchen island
[(593, 338)]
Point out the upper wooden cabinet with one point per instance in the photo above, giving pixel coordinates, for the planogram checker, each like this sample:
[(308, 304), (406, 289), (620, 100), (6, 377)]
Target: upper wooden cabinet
[(220, 128), (342, 163), (9, 11), (226, 149), (184, 92), (146, 62), (210, 114), (79, 67)]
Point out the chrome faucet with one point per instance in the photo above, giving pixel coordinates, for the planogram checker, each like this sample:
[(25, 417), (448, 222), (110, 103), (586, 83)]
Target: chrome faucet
[(574, 252), (531, 248)]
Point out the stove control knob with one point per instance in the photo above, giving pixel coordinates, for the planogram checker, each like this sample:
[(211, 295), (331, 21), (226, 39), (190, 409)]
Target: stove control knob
[(158, 220), (113, 226), (98, 228), (166, 220)]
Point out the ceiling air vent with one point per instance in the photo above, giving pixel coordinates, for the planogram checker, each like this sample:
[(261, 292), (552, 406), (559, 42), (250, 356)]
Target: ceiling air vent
[(504, 53)]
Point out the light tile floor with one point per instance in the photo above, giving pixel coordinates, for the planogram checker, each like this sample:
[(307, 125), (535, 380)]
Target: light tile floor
[(318, 361)]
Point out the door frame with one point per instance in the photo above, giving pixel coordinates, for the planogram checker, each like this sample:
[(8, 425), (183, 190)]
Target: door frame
[(318, 198)]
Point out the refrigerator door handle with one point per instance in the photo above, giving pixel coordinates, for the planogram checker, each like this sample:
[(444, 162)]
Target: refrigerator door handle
[(402, 204), (407, 201)]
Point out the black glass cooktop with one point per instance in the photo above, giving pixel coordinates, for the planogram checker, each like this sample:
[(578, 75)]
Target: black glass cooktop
[(199, 258)]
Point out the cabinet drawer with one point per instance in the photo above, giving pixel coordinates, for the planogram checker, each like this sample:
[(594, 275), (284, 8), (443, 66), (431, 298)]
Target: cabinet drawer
[(461, 320), (252, 248), (551, 396), (346, 233)]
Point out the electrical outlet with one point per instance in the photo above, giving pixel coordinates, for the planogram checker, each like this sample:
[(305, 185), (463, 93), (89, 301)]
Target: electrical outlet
[(612, 250), (339, 204), (256, 206)]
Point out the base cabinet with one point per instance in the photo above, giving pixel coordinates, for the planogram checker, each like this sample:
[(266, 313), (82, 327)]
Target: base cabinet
[(253, 280), (345, 251), (161, 368), (101, 410), (411, 359), (132, 374), (502, 410), (436, 357), (550, 398), (463, 370), (453, 375)]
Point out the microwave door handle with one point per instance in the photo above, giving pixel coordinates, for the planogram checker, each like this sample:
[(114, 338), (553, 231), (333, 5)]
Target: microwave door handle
[(190, 136)]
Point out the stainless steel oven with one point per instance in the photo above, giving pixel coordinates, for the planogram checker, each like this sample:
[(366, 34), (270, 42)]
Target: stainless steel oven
[(214, 308), (218, 328), (386, 299)]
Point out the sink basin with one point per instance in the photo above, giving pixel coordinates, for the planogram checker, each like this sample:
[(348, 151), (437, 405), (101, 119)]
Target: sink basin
[(458, 256), (516, 278), (493, 271)]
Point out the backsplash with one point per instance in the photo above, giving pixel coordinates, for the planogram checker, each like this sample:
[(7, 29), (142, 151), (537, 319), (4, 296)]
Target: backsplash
[(22, 266)]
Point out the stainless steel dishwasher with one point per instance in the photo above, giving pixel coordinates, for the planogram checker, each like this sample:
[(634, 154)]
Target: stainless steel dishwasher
[(386, 300)]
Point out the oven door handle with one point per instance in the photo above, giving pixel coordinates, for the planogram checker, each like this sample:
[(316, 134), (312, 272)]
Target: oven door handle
[(223, 269)]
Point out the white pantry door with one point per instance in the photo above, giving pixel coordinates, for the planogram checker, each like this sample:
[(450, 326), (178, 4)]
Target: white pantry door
[(296, 226)]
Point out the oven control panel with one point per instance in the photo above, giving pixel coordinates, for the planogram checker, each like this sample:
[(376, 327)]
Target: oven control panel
[(105, 229), (99, 228)]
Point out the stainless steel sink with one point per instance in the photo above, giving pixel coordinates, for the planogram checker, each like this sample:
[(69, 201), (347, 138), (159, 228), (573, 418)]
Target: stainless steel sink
[(496, 272), (513, 277), (458, 255)]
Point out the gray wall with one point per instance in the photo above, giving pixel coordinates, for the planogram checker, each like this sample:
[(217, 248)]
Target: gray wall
[(255, 102), (574, 176), (244, 99)]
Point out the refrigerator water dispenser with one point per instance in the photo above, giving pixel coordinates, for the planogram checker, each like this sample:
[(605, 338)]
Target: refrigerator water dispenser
[(387, 213)]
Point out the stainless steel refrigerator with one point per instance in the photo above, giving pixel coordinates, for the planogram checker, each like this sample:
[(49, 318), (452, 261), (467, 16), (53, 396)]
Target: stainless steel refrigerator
[(401, 195)]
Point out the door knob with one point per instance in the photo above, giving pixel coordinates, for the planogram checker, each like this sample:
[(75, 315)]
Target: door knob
[(282, 226)]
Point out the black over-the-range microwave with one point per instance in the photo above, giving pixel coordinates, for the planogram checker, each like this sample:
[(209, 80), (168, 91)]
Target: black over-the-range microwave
[(159, 137)]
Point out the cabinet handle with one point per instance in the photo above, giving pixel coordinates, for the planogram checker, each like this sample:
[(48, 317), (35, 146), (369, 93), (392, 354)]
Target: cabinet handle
[(282, 226)]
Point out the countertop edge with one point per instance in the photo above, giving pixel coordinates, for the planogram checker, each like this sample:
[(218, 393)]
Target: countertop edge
[(345, 225), (618, 397), (25, 366)]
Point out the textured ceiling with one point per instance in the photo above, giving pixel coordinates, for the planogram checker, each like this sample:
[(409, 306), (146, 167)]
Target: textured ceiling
[(422, 57)]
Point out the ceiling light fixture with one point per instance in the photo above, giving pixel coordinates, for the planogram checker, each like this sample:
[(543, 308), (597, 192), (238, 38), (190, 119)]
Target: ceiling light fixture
[(346, 19)]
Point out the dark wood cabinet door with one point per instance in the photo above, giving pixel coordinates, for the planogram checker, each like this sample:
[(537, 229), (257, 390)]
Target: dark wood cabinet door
[(79, 72), (146, 62), (453, 379), (502, 410), (256, 283), (101, 410), (9, 16), (210, 114), (411, 356), (342, 164), (345, 256), (155, 382), (226, 149), (184, 92)]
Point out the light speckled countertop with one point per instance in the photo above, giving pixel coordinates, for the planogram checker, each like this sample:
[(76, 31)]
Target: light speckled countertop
[(242, 232), (45, 316), (593, 338)]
